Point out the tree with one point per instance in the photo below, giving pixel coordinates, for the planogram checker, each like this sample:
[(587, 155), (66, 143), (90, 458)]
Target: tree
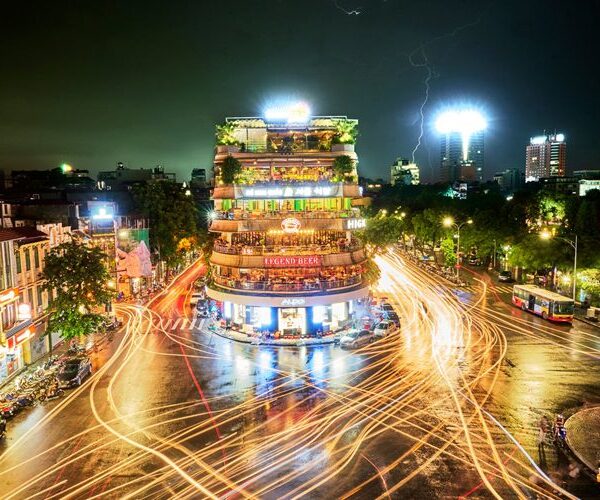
[(172, 216), (382, 231), (447, 249), (79, 275), (346, 131), (224, 134), (589, 280), (343, 166), (231, 168)]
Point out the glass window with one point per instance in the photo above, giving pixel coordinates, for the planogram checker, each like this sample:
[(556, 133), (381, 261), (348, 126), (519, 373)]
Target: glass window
[(18, 257), (27, 260), (563, 307), (36, 254)]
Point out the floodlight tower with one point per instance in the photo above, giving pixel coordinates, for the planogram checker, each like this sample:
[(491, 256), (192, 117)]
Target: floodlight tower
[(461, 144)]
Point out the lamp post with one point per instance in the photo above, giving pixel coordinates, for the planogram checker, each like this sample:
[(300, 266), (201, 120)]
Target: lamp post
[(546, 235), (449, 222)]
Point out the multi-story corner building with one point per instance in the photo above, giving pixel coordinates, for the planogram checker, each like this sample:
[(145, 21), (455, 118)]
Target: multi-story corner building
[(404, 172), (545, 156), (286, 259)]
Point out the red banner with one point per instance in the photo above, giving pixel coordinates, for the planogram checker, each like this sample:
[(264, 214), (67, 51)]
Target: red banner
[(293, 261)]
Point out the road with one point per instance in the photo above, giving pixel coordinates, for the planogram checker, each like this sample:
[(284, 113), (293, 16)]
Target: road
[(445, 408)]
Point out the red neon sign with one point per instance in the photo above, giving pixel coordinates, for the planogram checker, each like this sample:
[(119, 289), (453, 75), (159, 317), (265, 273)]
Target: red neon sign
[(293, 261)]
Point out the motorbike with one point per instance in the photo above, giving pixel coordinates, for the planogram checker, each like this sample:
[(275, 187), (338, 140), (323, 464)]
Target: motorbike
[(2, 428)]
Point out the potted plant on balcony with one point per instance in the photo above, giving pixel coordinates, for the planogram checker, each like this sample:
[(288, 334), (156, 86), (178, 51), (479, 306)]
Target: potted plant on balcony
[(231, 169), (343, 168), (345, 135), (226, 140)]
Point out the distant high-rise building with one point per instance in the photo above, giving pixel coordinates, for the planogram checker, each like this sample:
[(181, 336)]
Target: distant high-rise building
[(462, 156), (545, 156), (404, 171)]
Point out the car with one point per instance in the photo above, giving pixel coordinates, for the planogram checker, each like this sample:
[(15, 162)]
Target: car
[(384, 328), (356, 338), (201, 308), (506, 277), (474, 261), (393, 317), (73, 371)]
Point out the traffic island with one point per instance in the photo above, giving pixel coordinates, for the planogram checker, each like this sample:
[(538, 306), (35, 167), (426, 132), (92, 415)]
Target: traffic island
[(583, 437)]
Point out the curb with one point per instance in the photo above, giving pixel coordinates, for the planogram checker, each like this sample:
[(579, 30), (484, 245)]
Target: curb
[(591, 323), (271, 343)]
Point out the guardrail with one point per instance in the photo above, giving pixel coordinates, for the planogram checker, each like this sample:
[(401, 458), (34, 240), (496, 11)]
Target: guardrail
[(272, 286)]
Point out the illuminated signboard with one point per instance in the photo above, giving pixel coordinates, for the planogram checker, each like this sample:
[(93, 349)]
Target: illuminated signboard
[(356, 223), (293, 261), (8, 295), (271, 192), (293, 302), (290, 225)]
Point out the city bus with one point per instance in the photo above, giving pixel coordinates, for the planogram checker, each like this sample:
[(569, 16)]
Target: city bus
[(548, 305)]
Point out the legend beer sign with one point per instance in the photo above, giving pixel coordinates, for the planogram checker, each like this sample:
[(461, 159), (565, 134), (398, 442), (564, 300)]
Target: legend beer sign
[(293, 261)]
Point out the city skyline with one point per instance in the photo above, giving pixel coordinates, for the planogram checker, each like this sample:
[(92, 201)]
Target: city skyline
[(135, 86)]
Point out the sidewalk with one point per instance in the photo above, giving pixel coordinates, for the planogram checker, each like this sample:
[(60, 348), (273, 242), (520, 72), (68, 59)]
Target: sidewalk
[(583, 437), (247, 339)]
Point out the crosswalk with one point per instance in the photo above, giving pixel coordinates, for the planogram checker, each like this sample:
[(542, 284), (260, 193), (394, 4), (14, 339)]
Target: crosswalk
[(504, 288)]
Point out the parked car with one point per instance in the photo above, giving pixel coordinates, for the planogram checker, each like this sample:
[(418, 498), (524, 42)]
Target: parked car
[(356, 338), (506, 277), (384, 328), (73, 371), (474, 260)]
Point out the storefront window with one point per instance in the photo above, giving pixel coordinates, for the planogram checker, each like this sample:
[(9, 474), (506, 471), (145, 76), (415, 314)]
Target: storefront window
[(292, 321)]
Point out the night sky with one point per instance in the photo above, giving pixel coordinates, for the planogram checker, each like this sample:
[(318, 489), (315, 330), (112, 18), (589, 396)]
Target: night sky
[(145, 82)]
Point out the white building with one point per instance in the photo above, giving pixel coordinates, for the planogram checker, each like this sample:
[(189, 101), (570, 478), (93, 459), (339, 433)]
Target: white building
[(403, 171)]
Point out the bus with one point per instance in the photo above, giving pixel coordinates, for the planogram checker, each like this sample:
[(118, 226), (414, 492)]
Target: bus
[(548, 305)]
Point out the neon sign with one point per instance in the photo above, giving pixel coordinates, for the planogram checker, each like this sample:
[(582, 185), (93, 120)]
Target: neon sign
[(293, 261)]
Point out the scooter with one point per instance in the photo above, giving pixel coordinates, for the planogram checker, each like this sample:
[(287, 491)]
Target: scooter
[(2, 427)]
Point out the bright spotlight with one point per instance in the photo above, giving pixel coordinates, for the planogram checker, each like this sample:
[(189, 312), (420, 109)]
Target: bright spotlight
[(297, 112), (464, 122)]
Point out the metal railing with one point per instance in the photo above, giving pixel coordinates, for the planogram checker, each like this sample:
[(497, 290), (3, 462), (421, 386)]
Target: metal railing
[(273, 286), (279, 214), (285, 250)]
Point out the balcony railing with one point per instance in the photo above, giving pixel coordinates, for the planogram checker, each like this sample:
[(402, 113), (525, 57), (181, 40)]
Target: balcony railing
[(273, 286), (282, 214), (285, 250)]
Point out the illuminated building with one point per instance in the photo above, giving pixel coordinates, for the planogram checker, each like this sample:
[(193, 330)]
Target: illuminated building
[(545, 156), (403, 171), (286, 259), (461, 145)]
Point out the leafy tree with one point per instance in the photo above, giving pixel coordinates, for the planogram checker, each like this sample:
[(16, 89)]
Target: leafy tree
[(371, 273), (589, 281), (79, 275), (448, 252), (231, 168), (382, 231), (343, 166), (172, 216)]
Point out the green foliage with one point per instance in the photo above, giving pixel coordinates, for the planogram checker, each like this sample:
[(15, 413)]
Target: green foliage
[(371, 273), (78, 274), (172, 217), (448, 251), (224, 134), (382, 231), (231, 169), (427, 226), (343, 167), (346, 132), (589, 281)]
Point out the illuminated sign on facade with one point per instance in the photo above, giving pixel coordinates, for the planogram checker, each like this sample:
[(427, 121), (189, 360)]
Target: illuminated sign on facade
[(293, 261), (270, 192), (8, 295), (290, 225), (295, 302), (356, 223)]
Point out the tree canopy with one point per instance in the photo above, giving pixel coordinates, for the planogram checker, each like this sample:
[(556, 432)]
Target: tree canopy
[(80, 278)]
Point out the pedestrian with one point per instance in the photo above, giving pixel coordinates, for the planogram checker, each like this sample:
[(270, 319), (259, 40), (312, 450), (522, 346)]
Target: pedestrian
[(544, 427)]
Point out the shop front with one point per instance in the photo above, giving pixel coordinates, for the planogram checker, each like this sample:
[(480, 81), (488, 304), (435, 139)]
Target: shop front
[(16, 353)]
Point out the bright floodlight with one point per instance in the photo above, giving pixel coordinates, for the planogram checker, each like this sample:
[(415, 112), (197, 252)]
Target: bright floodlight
[(448, 221), (297, 112), (464, 122)]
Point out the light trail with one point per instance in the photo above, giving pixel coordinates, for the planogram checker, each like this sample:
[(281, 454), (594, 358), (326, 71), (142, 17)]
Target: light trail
[(301, 434)]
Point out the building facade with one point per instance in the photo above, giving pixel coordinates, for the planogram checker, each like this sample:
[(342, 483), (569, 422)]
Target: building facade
[(404, 172), (545, 156), (510, 180), (462, 156), (286, 260)]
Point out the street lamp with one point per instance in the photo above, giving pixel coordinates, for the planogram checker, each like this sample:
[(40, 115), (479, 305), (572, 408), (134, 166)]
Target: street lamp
[(449, 222), (546, 235)]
